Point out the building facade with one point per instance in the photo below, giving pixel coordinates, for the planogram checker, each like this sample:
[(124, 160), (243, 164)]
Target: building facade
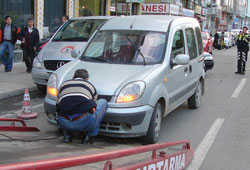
[(213, 15)]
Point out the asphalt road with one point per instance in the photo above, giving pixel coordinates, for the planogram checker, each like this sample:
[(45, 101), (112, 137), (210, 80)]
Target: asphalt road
[(218, 130)]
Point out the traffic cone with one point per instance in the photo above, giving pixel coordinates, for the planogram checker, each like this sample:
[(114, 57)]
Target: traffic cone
[(27, 110)]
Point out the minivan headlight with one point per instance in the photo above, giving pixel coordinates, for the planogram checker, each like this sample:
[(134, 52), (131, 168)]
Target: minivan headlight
[(131, 92), (37, 64), (52, 84)]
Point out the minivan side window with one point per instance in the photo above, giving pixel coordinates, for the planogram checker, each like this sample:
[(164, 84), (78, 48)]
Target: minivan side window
[(199, 39), (192, 49), (178, 46)]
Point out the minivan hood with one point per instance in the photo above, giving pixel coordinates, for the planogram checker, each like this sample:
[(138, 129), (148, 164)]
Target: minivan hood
[(60, 50), (107, 77)]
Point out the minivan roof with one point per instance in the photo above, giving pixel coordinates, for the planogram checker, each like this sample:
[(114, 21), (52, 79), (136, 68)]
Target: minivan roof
[(92, 17), (146, 22)]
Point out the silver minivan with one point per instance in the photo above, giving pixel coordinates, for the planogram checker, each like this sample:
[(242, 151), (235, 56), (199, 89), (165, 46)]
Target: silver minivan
[(74, 34), (144, 66)]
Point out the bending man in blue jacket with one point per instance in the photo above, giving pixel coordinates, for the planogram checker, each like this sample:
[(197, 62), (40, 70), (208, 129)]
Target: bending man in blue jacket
[(78, 108)]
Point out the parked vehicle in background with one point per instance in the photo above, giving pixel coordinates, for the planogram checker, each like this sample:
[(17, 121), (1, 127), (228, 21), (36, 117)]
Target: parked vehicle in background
[(227, 39), (144, 66), (57, 51), (207, 42), (236, 31), (208, 61)]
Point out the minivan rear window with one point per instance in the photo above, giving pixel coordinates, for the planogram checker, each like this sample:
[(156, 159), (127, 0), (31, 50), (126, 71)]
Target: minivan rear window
[(78, 30), (126, 47)]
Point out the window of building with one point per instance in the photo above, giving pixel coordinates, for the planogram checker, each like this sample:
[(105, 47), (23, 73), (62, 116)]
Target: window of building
[(19, 10), (192, 48), (53, 12), (90, 8)]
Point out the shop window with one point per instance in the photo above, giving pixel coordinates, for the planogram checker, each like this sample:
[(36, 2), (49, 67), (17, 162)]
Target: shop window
[(19, 10), (53, 12)]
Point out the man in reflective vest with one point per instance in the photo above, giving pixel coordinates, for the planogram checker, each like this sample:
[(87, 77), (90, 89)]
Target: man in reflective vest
[(243, 40)]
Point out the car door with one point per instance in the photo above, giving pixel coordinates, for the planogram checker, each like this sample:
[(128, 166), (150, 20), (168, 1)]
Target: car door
[(195, 51), (177, 74)]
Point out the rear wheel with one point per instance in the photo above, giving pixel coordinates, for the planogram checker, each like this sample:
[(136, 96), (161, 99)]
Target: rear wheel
[(155, 125), (195, 100)]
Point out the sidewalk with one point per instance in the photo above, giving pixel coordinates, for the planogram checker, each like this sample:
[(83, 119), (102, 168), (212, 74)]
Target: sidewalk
[(13, 83)]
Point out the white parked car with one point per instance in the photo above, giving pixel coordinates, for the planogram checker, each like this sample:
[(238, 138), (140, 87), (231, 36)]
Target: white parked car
[(144, 66)]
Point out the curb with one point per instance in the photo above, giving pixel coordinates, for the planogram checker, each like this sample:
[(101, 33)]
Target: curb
[(17, 92)]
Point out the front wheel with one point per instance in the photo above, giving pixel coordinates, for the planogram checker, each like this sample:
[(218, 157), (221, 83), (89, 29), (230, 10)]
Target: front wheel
[(153, 133), (195, 100), (42, 88)]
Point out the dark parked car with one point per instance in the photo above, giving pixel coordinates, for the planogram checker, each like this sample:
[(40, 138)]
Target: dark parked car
[(208, 61)]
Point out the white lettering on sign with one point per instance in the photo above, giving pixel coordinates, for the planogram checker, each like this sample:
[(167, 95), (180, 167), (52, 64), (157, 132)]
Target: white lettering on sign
[(174, 163), (155, 8)]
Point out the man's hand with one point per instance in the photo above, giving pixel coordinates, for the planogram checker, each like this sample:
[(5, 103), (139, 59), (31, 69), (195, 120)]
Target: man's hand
[(23, 40), (34, 48)]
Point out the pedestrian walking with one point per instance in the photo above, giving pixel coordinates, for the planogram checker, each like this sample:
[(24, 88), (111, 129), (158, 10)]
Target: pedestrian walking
[(65, 18), (216, 39), (30, 43), (222, 43), (78, 108), (9, 34), (243, 40)]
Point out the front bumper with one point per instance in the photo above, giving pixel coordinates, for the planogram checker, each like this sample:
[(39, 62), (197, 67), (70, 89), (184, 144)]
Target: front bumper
[(40, 76), (118, 122)]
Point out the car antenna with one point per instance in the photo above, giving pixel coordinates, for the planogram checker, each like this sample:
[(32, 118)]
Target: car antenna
[(131, 26)]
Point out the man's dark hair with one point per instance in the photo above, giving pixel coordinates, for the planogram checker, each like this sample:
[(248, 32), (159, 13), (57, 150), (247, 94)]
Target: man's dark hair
[(81, 73), (66, 16), (6, 17), (29, 19), (245, 27)]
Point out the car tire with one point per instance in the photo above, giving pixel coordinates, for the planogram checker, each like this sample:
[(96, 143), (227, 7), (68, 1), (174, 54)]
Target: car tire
[(195, 100), (153, 133), (42, 88)]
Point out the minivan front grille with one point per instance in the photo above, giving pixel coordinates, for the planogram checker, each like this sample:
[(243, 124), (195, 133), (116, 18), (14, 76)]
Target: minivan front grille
[(54, 64), (106, 97)]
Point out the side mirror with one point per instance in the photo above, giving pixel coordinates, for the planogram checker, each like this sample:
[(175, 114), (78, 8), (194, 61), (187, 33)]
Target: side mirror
[(75, 53), (181, 59)]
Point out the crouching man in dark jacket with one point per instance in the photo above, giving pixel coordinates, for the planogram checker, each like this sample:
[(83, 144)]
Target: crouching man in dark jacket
[(78, 108)]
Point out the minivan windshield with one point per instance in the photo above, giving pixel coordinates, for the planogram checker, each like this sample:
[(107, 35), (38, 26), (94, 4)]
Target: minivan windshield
[(78, 30), (126, 47)]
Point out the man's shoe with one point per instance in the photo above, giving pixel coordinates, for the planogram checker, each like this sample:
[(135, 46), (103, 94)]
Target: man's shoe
[(7, 70), (243, 73), (237, 72), (67, 138), (88, 140)]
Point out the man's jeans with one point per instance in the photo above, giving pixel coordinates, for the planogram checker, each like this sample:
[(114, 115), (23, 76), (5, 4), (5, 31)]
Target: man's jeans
[(89, 123), (7, 62)]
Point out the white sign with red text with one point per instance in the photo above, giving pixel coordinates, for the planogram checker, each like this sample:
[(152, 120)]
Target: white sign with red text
[(174, 163), (155, 8), (174, 9)]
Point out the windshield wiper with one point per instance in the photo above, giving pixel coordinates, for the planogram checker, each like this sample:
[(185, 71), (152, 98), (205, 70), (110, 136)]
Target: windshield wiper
[(96, 58), (137, 49)]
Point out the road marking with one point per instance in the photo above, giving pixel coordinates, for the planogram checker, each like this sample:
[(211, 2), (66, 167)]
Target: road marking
[(239, 88), (16, 112), (205, 145)]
